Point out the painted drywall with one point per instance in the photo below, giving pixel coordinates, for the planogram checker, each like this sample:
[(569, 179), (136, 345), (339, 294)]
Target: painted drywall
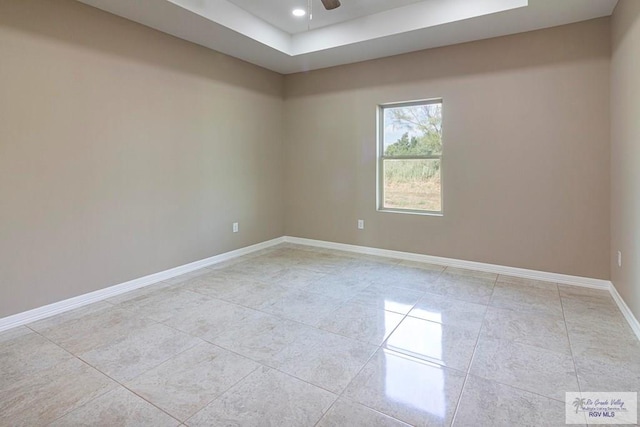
[(625, 152), (526, 150), (124, 152)]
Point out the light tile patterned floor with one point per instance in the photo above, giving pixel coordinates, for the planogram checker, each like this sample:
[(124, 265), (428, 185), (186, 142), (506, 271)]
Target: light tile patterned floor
[(296, 336)]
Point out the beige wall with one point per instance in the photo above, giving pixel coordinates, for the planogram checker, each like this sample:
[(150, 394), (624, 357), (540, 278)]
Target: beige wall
[(124, 152), (625, 152), (526, 154)]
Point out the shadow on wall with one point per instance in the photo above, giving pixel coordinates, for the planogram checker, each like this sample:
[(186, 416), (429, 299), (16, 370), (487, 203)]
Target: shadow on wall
[(624, 28), (58, 19), (525, 51)]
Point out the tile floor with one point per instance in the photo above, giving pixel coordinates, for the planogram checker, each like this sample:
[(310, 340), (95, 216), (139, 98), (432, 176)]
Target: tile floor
[(295, 336)]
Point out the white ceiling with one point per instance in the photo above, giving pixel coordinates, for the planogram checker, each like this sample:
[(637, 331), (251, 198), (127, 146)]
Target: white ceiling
[(359, 30), (278, 12)]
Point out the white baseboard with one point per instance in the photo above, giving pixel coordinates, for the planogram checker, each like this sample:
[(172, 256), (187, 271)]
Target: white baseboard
[(564, 279), (451, 262), (626, 311), (102, 294)]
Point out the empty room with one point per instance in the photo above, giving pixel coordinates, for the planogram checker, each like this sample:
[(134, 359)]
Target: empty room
[(319, 212)]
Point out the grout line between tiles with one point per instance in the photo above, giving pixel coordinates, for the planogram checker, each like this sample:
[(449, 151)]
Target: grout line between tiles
[(381, 347), (84, 362), (340, 395), (122, 384), (222, 393), (473, 354), (118, 383), (326, 412), (260, 363), (573, 359)]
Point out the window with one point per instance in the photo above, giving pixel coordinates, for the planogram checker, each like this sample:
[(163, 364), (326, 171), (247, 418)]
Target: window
[(410, 157)]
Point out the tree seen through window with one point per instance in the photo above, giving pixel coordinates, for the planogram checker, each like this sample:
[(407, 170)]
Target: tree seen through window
[(412, 157)]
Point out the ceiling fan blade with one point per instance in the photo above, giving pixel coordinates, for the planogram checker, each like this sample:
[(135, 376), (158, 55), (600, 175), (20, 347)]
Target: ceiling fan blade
[(331, 4)]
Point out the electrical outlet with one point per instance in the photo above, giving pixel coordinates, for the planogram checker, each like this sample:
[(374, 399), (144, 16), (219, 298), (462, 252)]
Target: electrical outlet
[(619, 259), (235, 227), (361, 224)]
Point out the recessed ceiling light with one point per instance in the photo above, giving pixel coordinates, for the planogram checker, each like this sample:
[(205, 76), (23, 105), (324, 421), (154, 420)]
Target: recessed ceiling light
[(299, 12)]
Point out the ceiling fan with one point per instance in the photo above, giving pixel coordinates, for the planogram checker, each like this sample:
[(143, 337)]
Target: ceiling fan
[(330, 4)]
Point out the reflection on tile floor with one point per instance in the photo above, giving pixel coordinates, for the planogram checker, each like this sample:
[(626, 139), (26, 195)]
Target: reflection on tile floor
[(298, 336)]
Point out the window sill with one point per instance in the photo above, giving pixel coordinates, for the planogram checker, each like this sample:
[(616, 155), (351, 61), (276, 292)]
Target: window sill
[(411, 212)]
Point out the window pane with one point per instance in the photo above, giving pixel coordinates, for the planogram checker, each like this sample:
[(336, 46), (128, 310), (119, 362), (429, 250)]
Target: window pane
[(412, 184), (413, 130)]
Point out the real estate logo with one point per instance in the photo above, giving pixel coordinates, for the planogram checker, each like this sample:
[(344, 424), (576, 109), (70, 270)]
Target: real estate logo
[(601, 407)]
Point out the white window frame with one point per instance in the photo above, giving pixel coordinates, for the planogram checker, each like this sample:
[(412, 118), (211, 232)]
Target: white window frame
[(381, 158)]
